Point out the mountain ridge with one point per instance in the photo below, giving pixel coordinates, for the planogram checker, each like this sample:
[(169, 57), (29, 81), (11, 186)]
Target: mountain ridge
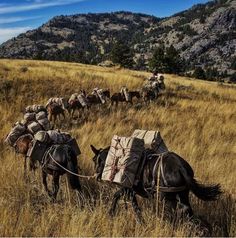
[(204, 35)]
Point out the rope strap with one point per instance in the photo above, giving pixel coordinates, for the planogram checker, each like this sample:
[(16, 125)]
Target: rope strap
[(78, 175)]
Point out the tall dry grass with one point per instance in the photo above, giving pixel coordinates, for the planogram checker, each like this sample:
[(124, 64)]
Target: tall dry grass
[(197, 121)]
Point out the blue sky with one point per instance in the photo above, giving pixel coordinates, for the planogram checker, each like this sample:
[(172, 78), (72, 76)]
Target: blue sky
[(17, 16)]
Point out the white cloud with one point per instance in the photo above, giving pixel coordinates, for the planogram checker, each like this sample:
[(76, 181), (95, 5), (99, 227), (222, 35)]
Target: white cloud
[(36, 5), (8, 33), (16, 19)]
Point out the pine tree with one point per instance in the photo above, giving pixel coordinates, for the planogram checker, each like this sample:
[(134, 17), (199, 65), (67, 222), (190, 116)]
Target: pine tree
[(157, 60), (166, 60), (173, 62), (121, 54), (199, 73)]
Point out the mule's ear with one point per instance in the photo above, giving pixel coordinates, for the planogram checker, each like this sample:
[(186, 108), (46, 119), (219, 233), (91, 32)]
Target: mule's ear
[(95, 151)]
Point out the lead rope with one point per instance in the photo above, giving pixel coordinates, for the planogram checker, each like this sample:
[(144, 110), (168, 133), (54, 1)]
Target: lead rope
[(78, 175)]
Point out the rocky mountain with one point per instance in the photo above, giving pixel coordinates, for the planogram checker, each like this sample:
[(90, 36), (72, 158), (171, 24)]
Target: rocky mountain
[(205, 35)]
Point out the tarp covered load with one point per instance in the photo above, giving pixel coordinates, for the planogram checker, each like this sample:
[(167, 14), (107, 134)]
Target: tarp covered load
[(123, 160), (36, 121), (34, 108), (73, 97), (34, 127), (29, 117), (126, 93), (57, 137), (152, 140), (52, 136), (99, 93), (42, 119), (58, 101), (80, 97), (16, 132)]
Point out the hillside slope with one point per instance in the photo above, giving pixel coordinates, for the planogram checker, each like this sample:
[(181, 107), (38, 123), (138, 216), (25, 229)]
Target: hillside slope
[(196, 120), (205, 35)]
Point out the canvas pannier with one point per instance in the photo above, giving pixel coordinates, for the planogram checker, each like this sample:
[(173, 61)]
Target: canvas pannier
[(73, 97), (53, 138), (43, 137), (126, 93), (58, 101), (152, 140), (58, 137), (17, 131), (123, 160), (41, 115), (45, 124), (34, 127), (74, 145), (37, 151), (99, 94), (35, 108), (29, 117), (82, 100)]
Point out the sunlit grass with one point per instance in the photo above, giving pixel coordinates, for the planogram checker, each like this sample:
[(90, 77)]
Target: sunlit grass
[(197, 122)]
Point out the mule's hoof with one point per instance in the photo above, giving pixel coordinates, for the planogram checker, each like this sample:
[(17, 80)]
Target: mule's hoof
[(111, 213), (140, 220)]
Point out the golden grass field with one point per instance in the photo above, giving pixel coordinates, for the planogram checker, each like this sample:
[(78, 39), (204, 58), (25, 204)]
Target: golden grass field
[(197, 122)]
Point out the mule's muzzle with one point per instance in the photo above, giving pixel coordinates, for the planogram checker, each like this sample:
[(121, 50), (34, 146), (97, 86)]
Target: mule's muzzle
[(98, 176)]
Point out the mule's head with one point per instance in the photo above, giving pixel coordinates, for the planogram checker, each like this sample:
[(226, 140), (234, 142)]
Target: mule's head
[(99, 160), (65, 103), (107, 93), (138, 94), (23, 144), (82, 91)]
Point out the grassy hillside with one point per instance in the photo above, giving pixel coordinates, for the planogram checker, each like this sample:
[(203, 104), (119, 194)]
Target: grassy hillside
[(197, 121)]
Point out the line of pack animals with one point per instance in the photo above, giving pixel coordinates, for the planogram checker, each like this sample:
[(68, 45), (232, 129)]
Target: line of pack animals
[(81, 101), (139, 165)]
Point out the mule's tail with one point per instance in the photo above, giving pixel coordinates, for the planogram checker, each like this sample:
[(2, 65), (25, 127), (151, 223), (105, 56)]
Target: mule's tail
[(73, 179), (204, 192)]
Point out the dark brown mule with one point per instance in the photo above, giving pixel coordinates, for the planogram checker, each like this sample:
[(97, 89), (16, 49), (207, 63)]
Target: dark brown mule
[(66, 162), (54, 111), (148, 94), (134, 94), (119, 97), (176, 180), (74, 106), (95, 100)]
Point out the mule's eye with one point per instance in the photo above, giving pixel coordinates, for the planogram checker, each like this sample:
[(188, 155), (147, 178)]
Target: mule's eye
[(94, 158)]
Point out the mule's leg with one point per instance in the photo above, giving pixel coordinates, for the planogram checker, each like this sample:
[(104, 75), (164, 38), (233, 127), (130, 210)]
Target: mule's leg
[(116, 198), (44, 175), (170, 204), (136, 208), (183, 205), (73, 112), (64, 116), (54, 118), (55, 185)]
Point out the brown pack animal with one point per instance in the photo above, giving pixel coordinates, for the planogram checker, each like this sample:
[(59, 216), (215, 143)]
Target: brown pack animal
[(75, 104), (56, 107), (119, 97), (93, 99), (148, 94), (55, 111), (62, 154)]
